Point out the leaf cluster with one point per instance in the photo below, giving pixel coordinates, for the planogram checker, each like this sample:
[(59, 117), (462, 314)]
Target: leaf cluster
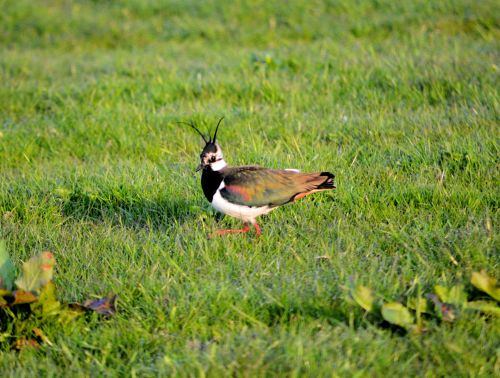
[(444, 304), (29, 301)]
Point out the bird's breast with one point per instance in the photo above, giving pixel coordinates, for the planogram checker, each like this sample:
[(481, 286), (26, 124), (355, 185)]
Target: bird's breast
[(245, 213)]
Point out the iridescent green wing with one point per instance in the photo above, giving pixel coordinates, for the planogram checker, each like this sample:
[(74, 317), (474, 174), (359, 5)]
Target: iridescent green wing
[(255, 186)]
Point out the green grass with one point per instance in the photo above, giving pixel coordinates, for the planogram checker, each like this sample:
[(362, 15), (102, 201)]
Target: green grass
[(398, 99)]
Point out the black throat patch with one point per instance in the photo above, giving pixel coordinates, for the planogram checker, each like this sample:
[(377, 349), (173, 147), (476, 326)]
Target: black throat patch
[(210, 181)]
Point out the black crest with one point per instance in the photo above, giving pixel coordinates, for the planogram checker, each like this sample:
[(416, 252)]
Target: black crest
[(209, 140)]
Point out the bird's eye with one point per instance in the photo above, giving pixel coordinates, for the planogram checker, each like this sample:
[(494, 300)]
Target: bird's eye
[(212, 159)]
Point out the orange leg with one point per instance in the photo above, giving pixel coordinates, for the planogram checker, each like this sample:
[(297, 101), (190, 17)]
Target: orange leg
[(245, 229), (258, 232)]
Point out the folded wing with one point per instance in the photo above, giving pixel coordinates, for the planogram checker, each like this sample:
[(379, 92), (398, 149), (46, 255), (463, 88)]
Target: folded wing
[(255, 186)]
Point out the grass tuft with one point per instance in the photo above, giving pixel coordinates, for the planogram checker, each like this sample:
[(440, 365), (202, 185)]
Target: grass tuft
[(398, 99)]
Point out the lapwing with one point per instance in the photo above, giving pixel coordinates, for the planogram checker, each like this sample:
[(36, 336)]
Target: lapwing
[(249, 191)]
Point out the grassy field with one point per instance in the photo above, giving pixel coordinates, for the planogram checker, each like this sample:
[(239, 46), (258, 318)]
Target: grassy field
[(398, 98)]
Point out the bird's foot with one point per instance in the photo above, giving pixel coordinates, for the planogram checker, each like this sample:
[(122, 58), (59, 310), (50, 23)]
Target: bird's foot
[(258, 232), (245, 229)]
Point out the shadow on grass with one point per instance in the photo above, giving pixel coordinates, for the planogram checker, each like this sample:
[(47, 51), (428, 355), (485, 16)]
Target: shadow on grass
[(274, 315), (130, 209)]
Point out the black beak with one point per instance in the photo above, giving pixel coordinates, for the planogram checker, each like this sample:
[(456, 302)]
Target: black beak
[(199, 167)]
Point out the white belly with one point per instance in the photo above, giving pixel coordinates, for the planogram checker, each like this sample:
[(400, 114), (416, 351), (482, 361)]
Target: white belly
[(245, 213)]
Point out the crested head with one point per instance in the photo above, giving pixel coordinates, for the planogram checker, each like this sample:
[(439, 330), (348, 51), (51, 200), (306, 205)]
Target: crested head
[(211, 156)]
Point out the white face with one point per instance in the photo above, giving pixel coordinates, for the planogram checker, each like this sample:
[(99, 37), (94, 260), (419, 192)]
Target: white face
[(211, 156)]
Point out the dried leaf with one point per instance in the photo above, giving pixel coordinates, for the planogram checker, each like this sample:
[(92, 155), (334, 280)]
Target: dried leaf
[(486, 307), (104, 306), (323, 258), (397, 314), (21, 296), (363, 296), (23, 342), (7, 269), (485, 283), (38, 333), (37, 272), (443, 310)]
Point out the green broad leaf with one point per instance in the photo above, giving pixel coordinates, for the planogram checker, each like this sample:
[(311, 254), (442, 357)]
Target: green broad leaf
[(486, 307), (454, 295), (68, 313), (396, 313), (363, 296), (482, 281), (47, 303), (37, 272), (419, 305), (7, 269)]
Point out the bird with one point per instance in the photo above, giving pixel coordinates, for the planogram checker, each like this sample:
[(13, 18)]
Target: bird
[(247, 192)]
